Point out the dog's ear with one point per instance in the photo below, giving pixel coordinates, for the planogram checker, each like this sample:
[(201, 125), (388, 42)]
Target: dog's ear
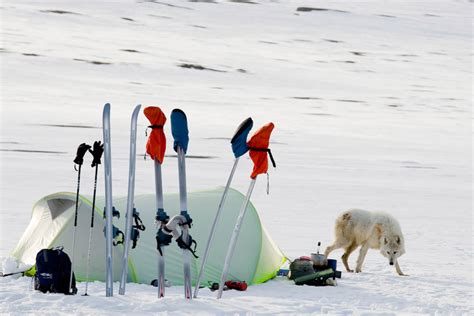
[(378, 230), (398, 240)]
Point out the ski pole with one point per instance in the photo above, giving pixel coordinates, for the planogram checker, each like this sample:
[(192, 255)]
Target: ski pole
[(233, 240), (156, 147), (130, 198), (239, 147), (213, 228), (97, 151), (161, 238), (258, 148), (79, 160)]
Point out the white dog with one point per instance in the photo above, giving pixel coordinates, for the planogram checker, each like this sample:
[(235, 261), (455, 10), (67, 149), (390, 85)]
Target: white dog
[(375, 230)]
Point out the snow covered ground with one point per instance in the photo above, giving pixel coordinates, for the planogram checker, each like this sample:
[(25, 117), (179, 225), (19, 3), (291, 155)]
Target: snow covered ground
[(371, 102)]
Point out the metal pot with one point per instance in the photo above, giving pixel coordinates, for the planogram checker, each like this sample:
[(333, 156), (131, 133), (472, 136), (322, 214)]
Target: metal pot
[(319, 260)]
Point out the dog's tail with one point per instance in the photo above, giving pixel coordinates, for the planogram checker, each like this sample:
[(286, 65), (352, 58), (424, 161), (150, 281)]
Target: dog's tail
[(342, 223)]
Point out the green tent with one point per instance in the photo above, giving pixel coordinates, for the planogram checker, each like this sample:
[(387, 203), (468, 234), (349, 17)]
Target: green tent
[(256, 257)]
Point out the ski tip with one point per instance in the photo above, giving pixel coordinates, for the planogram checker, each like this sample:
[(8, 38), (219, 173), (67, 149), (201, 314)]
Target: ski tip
[(136, 110), (106, 115)]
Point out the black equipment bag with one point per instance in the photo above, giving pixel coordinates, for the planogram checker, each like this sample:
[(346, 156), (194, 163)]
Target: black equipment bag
[(53, 271), (300, 267)]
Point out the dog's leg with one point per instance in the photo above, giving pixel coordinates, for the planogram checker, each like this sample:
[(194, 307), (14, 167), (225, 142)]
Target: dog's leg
[(399, 271), (346, 255), (329, 249), (360, 260)]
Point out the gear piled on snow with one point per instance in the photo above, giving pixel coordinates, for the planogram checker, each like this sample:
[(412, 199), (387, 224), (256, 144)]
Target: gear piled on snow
[(305, 270)]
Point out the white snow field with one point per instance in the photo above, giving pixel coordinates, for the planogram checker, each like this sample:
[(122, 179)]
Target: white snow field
[(372, 106)]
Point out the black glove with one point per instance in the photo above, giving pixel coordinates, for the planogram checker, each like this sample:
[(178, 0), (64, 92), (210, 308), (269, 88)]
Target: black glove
[(96, 152), (81, 151)]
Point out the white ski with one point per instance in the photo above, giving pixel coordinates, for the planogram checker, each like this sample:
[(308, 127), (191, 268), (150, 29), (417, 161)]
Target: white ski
[(108, 201), (179, 129), (130, 198)]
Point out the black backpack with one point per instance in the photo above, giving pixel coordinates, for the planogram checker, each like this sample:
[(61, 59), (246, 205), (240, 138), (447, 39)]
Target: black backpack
[(53, 271)]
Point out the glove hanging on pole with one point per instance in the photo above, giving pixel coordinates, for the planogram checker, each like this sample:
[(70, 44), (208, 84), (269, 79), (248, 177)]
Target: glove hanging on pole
[(156, 144), (258, 147), (97, 150), (81, 151)]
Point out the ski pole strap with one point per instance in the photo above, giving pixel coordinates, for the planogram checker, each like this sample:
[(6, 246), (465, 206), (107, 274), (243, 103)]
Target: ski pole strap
[(268, 183), (266, 150), (152, 127)]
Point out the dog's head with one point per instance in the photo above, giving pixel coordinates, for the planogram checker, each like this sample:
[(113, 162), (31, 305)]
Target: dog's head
[(391, 246)]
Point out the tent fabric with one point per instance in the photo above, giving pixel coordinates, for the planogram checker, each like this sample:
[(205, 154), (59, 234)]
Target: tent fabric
[(256, 259), (258, 144), (239, 140), (156, 144), (179, 130)]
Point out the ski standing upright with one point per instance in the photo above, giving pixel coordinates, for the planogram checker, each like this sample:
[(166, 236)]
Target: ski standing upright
[(155, 148), (108, 212), (239, 148), (131, 213), (179, 129), (258, 147)]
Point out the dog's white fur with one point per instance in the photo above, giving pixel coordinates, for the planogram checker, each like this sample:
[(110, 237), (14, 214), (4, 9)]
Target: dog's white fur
[(374, 230)]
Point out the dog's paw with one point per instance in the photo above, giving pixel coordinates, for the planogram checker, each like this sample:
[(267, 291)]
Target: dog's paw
[(350, 270), (358, 270)]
